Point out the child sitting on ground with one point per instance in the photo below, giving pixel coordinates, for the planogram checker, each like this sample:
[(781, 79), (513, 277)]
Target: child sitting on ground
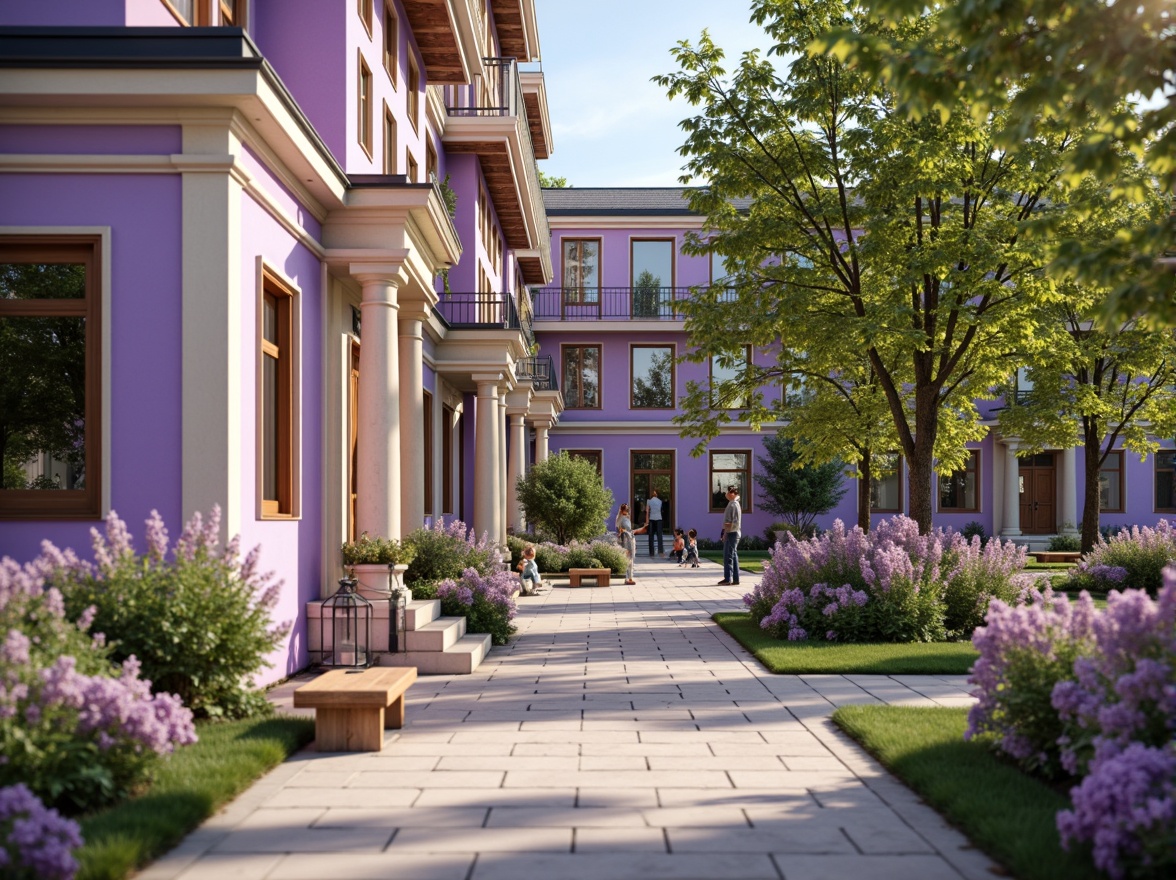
[(529, 572), (678, 551), (691, 550)]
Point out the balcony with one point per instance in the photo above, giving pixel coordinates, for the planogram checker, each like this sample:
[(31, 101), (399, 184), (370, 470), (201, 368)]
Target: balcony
[(539, 371), (483, 311), (488, 118), (609, 303)]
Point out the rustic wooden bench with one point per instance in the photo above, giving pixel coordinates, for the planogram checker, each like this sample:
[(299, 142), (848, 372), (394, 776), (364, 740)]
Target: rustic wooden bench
[(601, 574), (352, 707), (1056, 555)]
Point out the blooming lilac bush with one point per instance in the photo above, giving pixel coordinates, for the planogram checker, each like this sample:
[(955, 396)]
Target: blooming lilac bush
[(892, 584), (552, 557), (35, 843), (1025, 651), (1133, 558), (486, 601), (195, 615), (79, 732), (446, 550)]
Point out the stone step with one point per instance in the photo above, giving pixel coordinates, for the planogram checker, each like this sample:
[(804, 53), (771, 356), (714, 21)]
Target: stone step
[(460, 658), (421, 612), (436, 635)]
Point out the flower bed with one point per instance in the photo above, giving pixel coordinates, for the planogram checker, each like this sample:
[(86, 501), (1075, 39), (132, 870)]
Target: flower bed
[(602, 552), (891, 585), (1133, 557)]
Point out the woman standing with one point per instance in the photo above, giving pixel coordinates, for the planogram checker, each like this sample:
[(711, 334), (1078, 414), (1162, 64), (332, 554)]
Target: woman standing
[(625, 538)]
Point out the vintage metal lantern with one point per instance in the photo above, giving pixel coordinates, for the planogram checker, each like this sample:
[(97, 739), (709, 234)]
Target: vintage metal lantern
[(397, 624), (347, 618)]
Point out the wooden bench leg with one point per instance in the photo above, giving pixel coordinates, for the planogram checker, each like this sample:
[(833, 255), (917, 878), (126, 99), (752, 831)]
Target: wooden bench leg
[(394, 714), (573, 580), (602, 580), (349, 730)]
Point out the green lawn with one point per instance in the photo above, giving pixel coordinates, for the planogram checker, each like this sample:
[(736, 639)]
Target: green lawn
[(749, 560), (1006, 813), (782, 657), (190, 786)]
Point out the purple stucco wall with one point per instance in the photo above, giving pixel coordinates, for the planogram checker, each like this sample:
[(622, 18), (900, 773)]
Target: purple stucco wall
[(97, 140), (143, 213), (280, 193), (91, 13)]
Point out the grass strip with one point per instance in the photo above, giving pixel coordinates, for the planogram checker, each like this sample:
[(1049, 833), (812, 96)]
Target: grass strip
[(749, 560), (1005, 812), (874, 658), (190, 785)]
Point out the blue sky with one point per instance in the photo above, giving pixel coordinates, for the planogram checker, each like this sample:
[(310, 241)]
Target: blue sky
[(610, 124)]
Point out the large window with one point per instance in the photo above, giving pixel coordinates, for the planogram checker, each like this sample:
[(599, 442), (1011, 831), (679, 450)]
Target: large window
[(50, 377), (595, 457), (1110, 483), (581, 270), (208, 12), (652, 369), (651, 277), (730, 468), (581, 376), (1165, 482), (389, 141), (364, 122), (413, 98), (886, 483), (365, 14), (391, 40), (958, 492), (276, 464), (726, 368)]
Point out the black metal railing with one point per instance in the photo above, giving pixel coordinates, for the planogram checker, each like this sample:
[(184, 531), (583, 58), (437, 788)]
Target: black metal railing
[(609, 303), (498, 92), (539, 371), (479, 311)]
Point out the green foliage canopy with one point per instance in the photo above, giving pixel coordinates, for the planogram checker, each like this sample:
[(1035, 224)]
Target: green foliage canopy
[(797, 492), (565, 497)]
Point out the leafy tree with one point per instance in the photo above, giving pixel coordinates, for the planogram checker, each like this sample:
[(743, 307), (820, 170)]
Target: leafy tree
[(1079, 60), (565, 497), (657, 389), (797, 492), (646, 295), (866, 234), (549, 182)]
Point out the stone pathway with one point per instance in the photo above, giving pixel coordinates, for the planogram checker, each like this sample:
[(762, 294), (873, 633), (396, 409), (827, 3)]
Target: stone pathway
[(621, 735)]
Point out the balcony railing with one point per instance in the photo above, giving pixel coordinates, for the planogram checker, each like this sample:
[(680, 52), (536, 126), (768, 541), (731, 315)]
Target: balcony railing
[(540, 371), (483, 311), (609, 303)]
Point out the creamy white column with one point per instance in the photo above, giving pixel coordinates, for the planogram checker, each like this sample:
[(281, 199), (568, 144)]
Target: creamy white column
[(1069, 491), (500, 507), (486, 454), (412, 406), (516, 468), (378, 455), (1012, 492), (540, 442)]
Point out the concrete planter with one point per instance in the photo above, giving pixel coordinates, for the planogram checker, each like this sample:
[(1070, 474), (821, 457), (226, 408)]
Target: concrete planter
[(375, 583)]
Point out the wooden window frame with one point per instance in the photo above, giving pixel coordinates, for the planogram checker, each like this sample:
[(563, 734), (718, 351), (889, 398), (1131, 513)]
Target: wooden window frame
[(411, 169), (898, 477), (673, 374), (1118, 472), (671, 241), (596, 456), (711, 378), (448, 426), (973, 457), (206, 13), (363, 99), (432, 164), (413, 92), (230, 17), (366, 10), (64, 504), (563, 350), (1156, 471), (580, 299), (427, 422), (284, 295), (391, 42), (745, 498), (390, 145)]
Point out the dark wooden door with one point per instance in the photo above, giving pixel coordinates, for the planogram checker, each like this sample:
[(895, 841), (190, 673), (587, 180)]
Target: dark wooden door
[(1038, 489), (649, 471)]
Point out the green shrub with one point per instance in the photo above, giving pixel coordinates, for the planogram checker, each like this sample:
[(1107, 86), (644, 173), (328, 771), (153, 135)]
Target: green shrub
[(566, 497), (375, 551), (551, 557), (515, 544), (974, 529), (610, 556), (973, 574), (198, 623), (1065, 544), (445, 551), (1133, 558)]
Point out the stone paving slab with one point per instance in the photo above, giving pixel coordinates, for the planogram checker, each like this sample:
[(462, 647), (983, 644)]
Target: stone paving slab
[(621, 735)]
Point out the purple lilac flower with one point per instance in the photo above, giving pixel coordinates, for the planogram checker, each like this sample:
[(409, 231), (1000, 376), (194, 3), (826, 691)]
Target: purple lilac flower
[(39, 840)]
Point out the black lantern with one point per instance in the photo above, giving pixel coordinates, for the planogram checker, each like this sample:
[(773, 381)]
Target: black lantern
[(397, 612), (347, 617)]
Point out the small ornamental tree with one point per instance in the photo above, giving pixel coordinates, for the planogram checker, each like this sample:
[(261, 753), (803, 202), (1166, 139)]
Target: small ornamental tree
[(565, 497), (798, 493)]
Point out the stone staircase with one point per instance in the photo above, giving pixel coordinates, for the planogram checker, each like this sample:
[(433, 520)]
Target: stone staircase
[(435, 645)]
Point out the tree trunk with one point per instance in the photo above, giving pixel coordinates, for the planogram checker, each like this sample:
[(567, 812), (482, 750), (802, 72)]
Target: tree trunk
[(921, 483), (1092, 461), (864, 482)]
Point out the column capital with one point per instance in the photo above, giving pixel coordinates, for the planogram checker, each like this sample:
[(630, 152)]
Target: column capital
[(485, 381), (413, 311)]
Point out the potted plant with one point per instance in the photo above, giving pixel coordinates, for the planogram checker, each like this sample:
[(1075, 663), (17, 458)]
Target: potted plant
[(377, 563)]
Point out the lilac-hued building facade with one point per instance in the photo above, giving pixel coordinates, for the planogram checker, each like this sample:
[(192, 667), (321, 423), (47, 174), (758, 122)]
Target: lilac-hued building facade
[(306, 268)]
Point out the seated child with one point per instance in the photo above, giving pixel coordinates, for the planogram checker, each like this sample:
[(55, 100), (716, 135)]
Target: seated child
[(529, 572), (678, 551), (691, 549)]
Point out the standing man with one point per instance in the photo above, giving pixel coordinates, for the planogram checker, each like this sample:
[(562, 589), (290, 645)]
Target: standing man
[(732, 523), (653, 518)]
